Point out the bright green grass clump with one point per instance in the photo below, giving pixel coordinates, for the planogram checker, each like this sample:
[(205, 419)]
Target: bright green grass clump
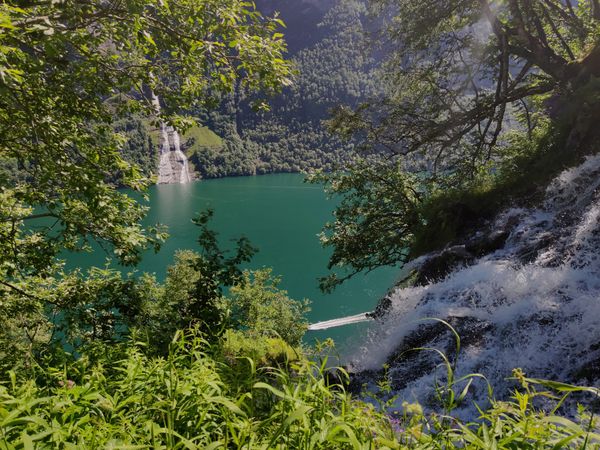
[(196, 399), (194, 138), (202, 137)]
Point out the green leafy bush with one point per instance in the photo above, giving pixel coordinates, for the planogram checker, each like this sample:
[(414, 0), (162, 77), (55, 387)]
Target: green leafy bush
[(259, 305), (263, 350)]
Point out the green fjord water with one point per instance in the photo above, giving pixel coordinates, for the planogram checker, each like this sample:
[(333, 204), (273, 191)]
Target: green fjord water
[(281, 215)]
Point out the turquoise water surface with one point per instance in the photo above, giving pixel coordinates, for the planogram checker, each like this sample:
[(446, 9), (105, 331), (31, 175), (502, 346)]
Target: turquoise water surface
[(281, 215)]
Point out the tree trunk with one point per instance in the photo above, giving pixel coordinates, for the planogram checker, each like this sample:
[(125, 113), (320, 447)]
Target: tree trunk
[(576, 108), (591, 63)]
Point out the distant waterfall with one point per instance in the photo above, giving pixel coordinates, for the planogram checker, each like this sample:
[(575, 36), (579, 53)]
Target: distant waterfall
[(173, 166)]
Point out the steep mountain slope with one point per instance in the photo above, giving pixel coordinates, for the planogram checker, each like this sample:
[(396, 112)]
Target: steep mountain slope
[(302, 18), (327, 44)]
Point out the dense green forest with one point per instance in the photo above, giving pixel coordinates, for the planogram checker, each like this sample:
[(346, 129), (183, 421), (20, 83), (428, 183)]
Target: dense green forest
[(481, 103), (334, 67)]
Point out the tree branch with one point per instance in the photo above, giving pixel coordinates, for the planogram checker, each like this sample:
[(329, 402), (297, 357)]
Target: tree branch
[(557, 33), (482, 111), (20, 291), (529, 47), (595, 4)]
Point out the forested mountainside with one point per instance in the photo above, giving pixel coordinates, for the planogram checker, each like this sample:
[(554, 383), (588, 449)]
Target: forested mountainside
[(327, 43), (302, 20)]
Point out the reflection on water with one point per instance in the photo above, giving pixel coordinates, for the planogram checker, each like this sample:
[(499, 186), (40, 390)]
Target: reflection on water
[(282, 216)]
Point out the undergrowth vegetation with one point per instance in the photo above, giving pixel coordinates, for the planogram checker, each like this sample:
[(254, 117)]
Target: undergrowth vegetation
[(197, 397), (456, 207)]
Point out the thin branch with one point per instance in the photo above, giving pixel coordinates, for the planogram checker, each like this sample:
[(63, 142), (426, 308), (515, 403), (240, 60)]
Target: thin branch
[(481, 111), (529, 47), (22, 292), (528, 118), (557, 33), (568, 16)]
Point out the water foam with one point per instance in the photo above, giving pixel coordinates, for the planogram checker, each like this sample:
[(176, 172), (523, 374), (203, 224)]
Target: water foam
[(173, 166), (534, 304)]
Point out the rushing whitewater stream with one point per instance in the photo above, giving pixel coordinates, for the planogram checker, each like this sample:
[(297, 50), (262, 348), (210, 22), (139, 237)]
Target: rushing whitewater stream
[(173, 165), (533, 304)]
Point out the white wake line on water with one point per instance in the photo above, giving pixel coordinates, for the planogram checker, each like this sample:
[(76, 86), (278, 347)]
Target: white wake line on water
[(357, 318)]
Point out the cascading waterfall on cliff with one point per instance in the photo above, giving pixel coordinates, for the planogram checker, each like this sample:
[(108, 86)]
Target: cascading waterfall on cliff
[(173, 164), (534, 304)]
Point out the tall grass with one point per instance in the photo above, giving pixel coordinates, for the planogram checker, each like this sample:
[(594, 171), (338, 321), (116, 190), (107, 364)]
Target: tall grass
[(195, 399), (182, 401)]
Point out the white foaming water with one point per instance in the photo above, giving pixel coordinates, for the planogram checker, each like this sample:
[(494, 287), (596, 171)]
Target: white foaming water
[(184, 170), (173, 168), (173, 165), (535, 304)]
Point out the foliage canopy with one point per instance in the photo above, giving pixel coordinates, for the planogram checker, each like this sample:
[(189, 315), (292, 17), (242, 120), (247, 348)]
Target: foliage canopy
[(69, 72), (471, 87)]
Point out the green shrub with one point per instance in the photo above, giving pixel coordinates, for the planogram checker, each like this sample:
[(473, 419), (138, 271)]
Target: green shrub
[(263, 350), (260, 306)]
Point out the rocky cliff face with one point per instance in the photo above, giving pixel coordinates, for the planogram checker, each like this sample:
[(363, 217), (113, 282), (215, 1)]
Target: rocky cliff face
[(525, 294)]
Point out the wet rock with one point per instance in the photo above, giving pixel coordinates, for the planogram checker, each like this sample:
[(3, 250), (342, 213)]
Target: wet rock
[(588, 373), (382, 308), (385, 303), (439, 265), (337, 377), (529, 253), (409, 361), (488, 243), (358, 380)]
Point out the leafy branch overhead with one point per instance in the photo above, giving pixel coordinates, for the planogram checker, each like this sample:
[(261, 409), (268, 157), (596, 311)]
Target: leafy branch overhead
[(70, 70), (71, 73), (458, 69), (469, 83)]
